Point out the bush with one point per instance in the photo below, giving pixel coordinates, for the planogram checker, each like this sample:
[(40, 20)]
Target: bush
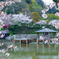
[(2, 29), (11, 33)]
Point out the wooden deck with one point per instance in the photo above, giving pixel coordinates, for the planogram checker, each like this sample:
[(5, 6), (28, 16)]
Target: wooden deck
[(31, 37)]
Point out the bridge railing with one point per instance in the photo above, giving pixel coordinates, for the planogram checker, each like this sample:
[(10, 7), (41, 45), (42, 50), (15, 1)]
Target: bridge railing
[(28, 36), (46, 37)]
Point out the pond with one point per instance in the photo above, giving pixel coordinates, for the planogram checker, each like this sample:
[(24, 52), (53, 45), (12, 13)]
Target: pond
[(35, 51)]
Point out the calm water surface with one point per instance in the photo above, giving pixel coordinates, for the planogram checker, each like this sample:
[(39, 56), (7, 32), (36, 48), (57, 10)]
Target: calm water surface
[(35, 51)]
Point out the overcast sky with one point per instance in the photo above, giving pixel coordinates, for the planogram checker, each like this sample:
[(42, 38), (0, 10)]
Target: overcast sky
[(47, 2)]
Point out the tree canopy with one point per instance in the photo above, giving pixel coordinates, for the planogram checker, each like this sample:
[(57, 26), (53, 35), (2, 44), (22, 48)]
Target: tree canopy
[(53, 10), (16, 8), (2, 0), (36, 16), (52, 16), (28, 1)]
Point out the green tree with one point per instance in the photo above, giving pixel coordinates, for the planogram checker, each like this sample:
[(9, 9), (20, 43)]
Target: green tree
[(53, 10), (28, 1), (55, 1), (16, 7), (2, 0), (30, 7), (36, 16), (52, 16), (47, 20), (40, 2), (36, 7)]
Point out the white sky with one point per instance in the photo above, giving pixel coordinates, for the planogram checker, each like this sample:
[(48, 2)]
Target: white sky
[(47, 2)]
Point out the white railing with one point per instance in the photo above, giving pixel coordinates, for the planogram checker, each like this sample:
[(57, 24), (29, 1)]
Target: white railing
[(26, 36), (46, 37)]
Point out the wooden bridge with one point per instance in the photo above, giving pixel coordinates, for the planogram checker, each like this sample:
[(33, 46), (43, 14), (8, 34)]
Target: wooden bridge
[(24, 37), (30, 37)]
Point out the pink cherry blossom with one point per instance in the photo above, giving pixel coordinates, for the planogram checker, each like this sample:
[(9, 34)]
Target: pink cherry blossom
[(7, 54), (44, 15), (43, 11)]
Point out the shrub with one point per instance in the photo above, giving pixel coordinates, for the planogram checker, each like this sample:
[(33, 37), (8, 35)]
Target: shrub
[(11, 33)]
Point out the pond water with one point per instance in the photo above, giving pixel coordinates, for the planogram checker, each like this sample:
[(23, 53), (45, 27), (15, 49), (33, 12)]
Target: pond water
[(35, 51)]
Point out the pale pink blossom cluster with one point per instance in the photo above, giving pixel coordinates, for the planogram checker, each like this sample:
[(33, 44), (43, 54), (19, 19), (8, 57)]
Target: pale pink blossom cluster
[(57, 8), (54, 40), (2, 36), (54, 23), (1, 24), (13, 19), (44, 15), (57, 34), (17, 0), (42, 22), (11, 47), (21, 18), (2, 4), (1, 44), (5, 19), (43, 11), (3, 15), (52, 5), (2, 51), (42, 38), (46, 41), (7, 3), (7, 54), (57, 14)]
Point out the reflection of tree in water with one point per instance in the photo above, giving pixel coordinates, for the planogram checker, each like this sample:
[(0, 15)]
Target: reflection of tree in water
[(47, 50)]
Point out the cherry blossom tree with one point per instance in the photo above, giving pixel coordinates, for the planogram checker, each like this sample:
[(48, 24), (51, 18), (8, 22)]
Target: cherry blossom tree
[(54, 4), (42, 22), (22, 18), (9, 48), (4, 18), (54, 23), (44, 15)]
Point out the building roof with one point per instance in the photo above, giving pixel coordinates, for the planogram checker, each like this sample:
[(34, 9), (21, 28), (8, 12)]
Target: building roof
[(46, 30), (5, 31)]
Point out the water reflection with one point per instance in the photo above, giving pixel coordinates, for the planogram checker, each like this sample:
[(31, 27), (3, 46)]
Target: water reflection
[(36, 51), (48, 51)]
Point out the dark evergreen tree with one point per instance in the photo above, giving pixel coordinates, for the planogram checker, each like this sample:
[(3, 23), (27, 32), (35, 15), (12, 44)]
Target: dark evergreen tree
[(2, 0), (53, 10), (28, 1), (40, 2), (15, 7)]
